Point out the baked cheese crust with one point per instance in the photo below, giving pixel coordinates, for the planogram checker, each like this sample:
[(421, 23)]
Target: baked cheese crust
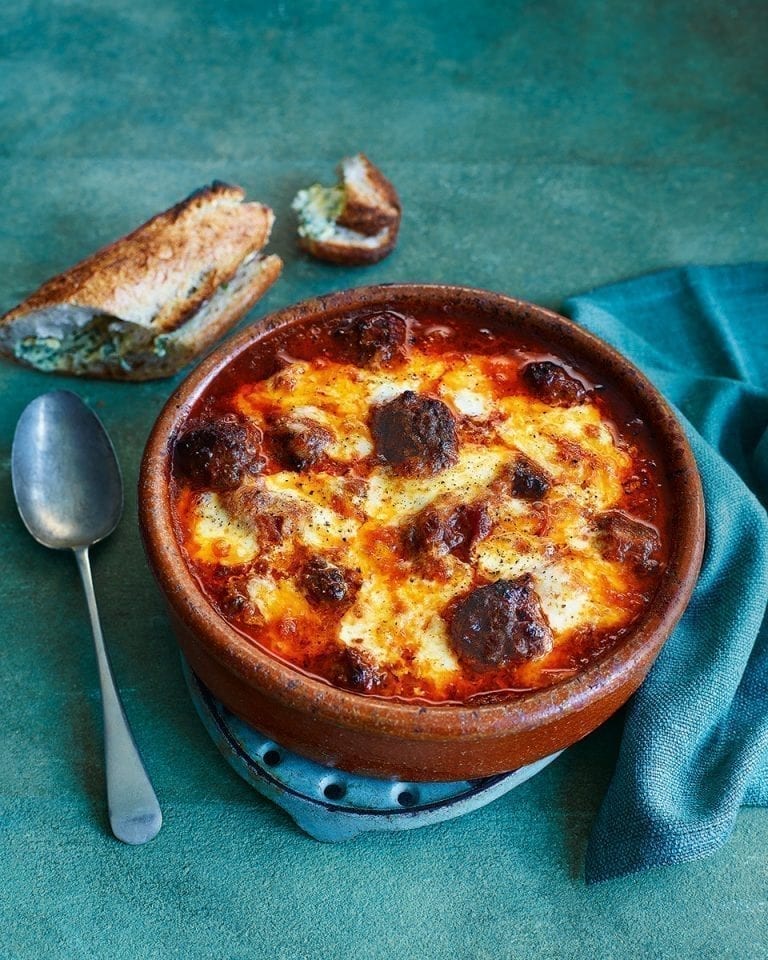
[(349, 565)]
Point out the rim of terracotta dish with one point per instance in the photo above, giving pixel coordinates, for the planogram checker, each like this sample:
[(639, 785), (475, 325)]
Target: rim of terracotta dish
[(414, 720)]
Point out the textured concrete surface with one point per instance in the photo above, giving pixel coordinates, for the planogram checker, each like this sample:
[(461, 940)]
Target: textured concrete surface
[(540, 149)]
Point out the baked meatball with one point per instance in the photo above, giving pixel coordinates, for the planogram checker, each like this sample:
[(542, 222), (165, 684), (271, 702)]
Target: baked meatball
[(217, 453), (324, 583), (415, 434), (374, 338), (358, 672), (626, 540), (501, 623), (438, 532), (272, 517), (527, 480), (298, 441), (551, 383)]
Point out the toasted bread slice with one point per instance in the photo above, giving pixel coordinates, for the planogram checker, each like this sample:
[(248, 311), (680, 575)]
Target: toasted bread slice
[(147, 304), (354, 222)]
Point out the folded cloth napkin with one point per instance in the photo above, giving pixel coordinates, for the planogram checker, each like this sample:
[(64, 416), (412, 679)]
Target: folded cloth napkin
[(695, 741)]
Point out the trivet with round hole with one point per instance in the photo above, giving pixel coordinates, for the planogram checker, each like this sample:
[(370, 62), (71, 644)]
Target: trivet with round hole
[(334, 805)]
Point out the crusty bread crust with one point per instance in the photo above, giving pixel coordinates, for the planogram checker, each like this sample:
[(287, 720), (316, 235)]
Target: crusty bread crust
[(347, 254), (159, 274), (193, 339), (371, 211), (371, 205), (170, 278), (190, 340)]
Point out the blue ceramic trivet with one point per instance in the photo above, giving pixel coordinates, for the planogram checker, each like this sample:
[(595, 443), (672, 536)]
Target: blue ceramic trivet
[(333, 805)]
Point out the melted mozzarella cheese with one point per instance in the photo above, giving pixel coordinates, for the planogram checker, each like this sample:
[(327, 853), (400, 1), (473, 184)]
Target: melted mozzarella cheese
[(572, 444), (273, 597), (386, 390), (470, 403), (467, 390), (563, 598), (322, 528), (398, 616), (389, 618), (393, 499), (217, 537), (352, 443)]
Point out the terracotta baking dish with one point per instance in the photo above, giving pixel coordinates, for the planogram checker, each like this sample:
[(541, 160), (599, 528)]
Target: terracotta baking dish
[(385, 738)]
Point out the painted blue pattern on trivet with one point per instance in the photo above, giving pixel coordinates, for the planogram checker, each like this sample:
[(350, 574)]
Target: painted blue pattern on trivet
[(334, 805)]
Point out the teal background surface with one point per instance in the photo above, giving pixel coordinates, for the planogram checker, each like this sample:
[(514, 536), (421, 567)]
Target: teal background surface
[(539, 149)]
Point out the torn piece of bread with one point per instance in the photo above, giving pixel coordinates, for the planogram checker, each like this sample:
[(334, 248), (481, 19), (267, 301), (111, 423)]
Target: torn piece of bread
[(147, 304), (354, 222)]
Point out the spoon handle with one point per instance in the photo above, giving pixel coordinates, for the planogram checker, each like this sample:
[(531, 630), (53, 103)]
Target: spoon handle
[(134, 813)]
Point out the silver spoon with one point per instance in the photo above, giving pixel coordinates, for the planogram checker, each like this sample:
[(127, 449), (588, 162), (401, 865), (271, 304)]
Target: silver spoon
[(69, 492)]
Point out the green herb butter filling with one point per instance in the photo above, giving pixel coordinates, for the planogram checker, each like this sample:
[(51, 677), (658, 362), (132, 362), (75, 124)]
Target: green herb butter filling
[(318, 208), (104, 342)]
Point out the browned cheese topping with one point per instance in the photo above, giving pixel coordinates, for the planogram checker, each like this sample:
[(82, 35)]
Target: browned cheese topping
[(414, 507)]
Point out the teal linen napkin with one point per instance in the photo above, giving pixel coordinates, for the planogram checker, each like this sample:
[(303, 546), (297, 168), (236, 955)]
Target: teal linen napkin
[(695, 741)]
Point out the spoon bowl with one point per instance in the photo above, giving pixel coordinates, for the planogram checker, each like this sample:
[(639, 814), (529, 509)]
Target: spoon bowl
[(66, 478)]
